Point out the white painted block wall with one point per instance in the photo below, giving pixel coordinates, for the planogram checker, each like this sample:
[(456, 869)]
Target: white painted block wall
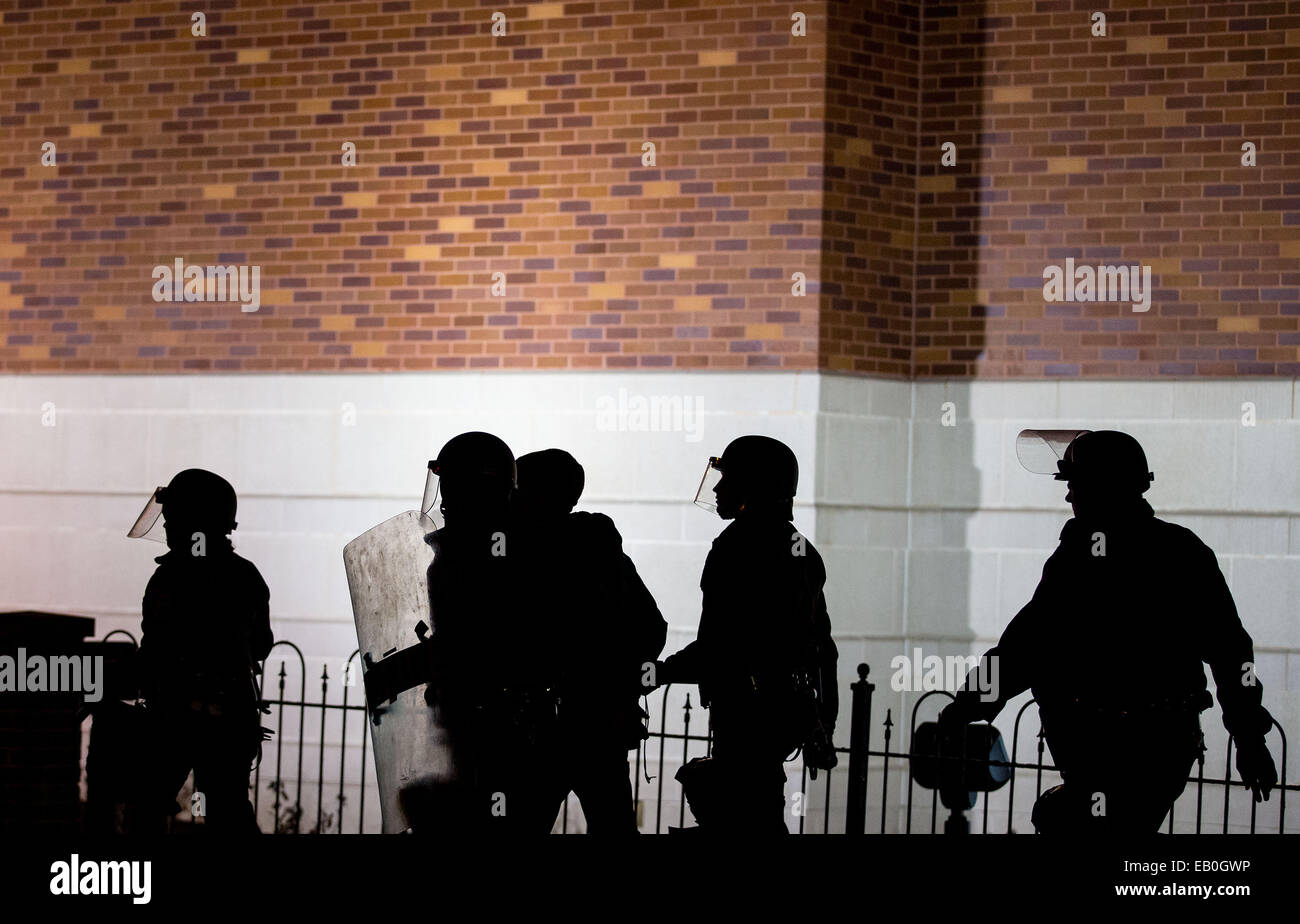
[(933, 535), (978, 527)]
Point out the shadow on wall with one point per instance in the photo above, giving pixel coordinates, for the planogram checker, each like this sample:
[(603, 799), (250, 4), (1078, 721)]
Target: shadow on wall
[(949, 311)]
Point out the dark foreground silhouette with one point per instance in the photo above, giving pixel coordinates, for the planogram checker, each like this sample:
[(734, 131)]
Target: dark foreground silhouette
[(1112, 643), (206, 624), (763, 657)]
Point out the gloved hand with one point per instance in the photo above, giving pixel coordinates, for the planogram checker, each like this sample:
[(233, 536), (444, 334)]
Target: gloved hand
[(1255, 764), (819, 751), (953, 719)]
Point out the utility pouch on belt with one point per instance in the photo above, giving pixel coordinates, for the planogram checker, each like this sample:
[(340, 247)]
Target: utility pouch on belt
[(959, 767)]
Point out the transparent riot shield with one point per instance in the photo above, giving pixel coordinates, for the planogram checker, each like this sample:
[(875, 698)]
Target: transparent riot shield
[(387, 569)]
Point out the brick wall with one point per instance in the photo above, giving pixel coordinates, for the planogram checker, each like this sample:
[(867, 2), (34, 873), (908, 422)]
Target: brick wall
[(1124, 149), (476, 154), (521, 154), (872, 99)]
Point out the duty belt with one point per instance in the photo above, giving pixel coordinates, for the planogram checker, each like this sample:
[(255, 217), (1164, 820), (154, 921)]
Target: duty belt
[(526, 711), (1194, 703), (523, 700)]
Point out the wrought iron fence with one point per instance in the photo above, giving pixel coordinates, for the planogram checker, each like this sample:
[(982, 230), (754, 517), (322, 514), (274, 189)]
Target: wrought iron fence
[(844, 795)]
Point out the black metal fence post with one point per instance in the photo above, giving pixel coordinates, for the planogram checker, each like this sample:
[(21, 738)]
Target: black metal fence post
[(855, 821)]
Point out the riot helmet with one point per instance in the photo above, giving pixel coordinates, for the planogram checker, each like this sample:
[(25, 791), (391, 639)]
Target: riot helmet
[(195, 499), (550, 482), (1107, 459), (1106, 470), (753, 471), (473, 472)]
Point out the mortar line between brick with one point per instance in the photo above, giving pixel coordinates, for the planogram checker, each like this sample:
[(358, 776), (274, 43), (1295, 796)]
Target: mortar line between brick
[(916, 183)]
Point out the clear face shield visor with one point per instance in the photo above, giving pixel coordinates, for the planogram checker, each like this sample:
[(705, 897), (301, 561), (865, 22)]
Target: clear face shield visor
[(704, 496), (149, 524), (1042, 451), (430, 506)]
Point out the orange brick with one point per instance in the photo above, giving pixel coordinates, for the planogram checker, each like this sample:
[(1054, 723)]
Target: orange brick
[(1013, 94), (1147, 45), (1144, 103), (717, 58), (943, 182), (1067, 165)]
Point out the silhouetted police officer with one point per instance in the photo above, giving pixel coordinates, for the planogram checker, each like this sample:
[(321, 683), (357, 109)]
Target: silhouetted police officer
[(206, 624), (496, 670), (1112, 642), (610, 626), (763, 657)]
